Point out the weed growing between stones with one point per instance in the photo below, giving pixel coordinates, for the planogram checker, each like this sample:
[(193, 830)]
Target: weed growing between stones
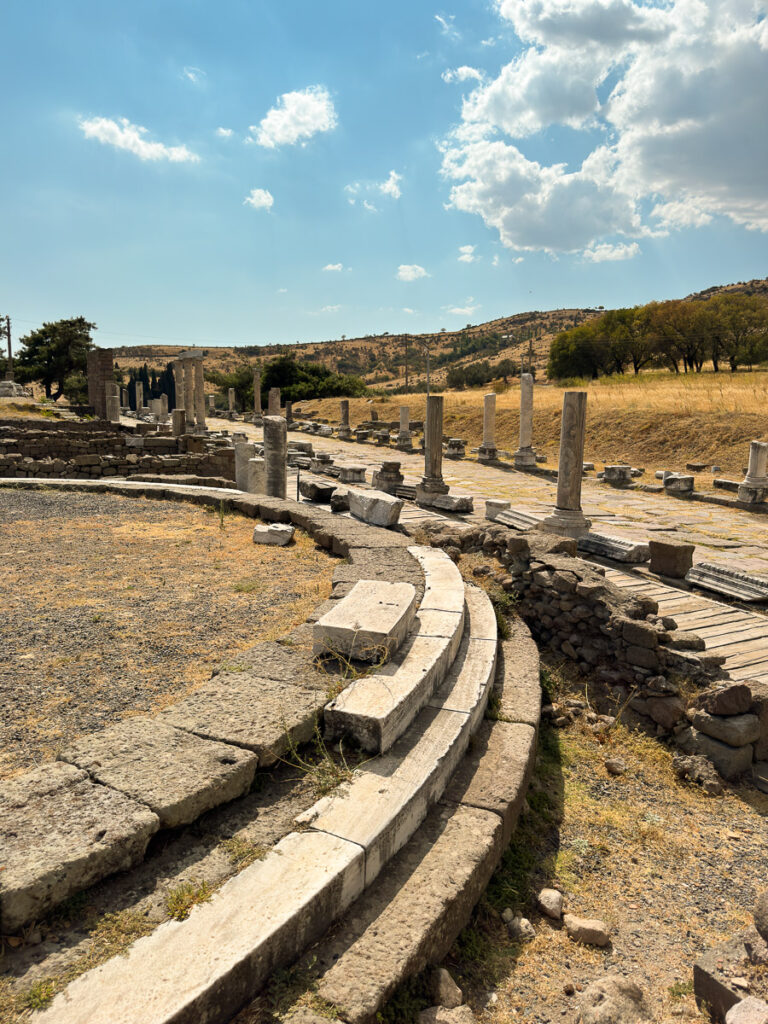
[(324, 773), (179, 901), (243, 852)]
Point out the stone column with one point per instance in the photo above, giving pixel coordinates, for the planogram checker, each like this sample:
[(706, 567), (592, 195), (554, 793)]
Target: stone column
[(244, 451), (113, 408), (231, 399), (257, 395), (189, 391), (139, 397), (487, 450), (754, 486), (124, 398), (273, 402), (404, 439), (568, 519), (178, 380), (344, 432), (199, 397), (275, 447), (178, 422), (256, 481), (525, 456), (164, 405), (288, 412), (211, 405), (432, 482)]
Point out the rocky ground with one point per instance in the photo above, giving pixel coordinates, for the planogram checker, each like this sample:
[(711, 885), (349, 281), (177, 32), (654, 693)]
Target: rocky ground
[(116, 606)]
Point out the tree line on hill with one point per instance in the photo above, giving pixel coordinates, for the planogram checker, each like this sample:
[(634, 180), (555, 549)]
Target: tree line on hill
[(728, 329)]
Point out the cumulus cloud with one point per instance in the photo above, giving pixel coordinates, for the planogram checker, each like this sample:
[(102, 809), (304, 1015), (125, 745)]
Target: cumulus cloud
[(390, 187), (604, 252), (462, 74), (333, 266), (123, 135), (467, 310), (467, 254), (259, 199), (410, 272), (667, 100), (224, 133), (296, 117)]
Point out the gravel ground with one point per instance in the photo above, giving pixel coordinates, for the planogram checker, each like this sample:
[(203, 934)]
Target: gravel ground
[(116, 606)]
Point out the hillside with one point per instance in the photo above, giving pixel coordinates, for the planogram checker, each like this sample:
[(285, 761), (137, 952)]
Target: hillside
[(380, 359), (757, 286)]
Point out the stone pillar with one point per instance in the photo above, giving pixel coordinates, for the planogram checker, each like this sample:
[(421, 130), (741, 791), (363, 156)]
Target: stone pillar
[(432, 482), (139, 397), (178, 380), (164, 405), (257, 395), (754, 486), (199, 396), (273, 402), (231, 400), (113, 409), (256, 479), (568, 519), (288, 412), (344, 432), (404, 439), (99, 363), (211, 404), (275, 448), (189, 391), (525, 456), (244, 451), (124, 397), (487, 450), (178, 422)]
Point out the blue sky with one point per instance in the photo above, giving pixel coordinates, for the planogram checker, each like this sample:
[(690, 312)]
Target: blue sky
[(246, 172)]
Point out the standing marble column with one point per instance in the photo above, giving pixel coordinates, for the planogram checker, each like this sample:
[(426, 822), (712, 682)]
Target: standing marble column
[(113, 408), (231, 400), (164, 405), (288, 411), (754, 486), (275, 448), (525, 456), (139, 396), (199, 396), (124, 397), (257, 394), (189, 391), (273, 402), (404, 439), (244, 450), (178, 422), (178, 380), (344, 432), (487, 450), (568, 519), (432, 482)]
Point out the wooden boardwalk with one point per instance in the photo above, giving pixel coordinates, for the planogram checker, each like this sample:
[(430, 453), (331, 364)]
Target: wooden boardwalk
[(741, 636)]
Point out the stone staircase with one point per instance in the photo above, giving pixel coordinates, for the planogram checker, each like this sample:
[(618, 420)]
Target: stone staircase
[(405, 846)]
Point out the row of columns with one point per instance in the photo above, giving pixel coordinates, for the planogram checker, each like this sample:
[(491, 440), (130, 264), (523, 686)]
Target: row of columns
[(190, 390)]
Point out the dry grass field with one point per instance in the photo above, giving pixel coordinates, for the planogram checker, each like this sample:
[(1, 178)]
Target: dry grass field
[(657, 420)]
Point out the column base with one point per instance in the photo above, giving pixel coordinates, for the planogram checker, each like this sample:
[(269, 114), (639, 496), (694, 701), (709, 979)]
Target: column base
[(524, 458), (345, 434), (486, 453), (566, 523), (429, 489), (751, 494)]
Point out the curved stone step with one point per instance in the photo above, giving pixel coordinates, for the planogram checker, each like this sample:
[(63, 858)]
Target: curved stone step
[(206, 967), (375, 710)]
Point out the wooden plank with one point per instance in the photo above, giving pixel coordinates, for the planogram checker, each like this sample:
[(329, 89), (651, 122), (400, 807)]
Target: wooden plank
[(733, 645), (701, 623), (729, 629), (744, 660), (750, 672)]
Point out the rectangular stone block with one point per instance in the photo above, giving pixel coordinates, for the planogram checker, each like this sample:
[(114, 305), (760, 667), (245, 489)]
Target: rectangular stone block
[(59, 833), (375, 507), (369, 624), (176, 774)]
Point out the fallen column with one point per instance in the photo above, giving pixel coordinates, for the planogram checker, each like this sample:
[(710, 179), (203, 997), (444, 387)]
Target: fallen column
[(567, 518), (525, 456)]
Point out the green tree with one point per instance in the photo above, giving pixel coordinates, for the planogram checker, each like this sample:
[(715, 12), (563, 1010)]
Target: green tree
[(55, 352)]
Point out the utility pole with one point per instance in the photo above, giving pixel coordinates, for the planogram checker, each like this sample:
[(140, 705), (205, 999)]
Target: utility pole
[(9, 367)]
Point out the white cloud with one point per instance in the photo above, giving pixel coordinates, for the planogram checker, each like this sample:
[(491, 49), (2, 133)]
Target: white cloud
[(224, 133), (391, 186), (296, 117), (407, 309), (667, 100), (467, 254), (330, 309), (131, 137), (518, 259), (447, 26), (281, 291), (488, 42), (495, 260), (333, 266), (467, 310), (410, 272), (259, 199), (462, 74), (193, 75), (604, 252), (369, 206)]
